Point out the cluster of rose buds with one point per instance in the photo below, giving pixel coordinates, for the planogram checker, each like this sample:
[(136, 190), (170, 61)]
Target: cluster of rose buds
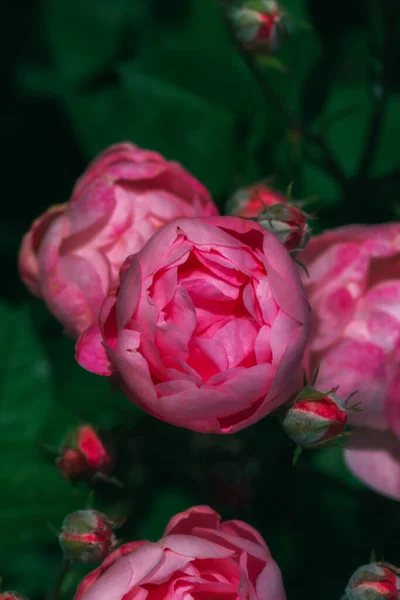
[(259, 25), (84, 455), (376, 581), (87, 536)]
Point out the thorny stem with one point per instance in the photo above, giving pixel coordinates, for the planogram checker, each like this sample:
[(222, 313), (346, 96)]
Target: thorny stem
[(327, 160), (269, 93), (64, 570)]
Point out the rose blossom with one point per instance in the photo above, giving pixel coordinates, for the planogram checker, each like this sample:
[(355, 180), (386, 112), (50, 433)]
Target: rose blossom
[(198, 557), (354, 292), (72, 254), (208, 328)]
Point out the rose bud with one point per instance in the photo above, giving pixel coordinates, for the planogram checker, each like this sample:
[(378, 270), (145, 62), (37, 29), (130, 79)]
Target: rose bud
[(72, 254), (273, 212), (259, 25), (84, 454), (354, 291), (314, 418), (377, 581), (199, 556), (11, 596), (87, 536), (208, 328)]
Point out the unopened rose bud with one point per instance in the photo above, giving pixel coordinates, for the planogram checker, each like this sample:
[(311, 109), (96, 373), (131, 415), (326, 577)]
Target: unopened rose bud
[(259, 25), (315, 418), (72, 464), (273, 212), (87, 536), (12, 596), (84, 454), (376, 581)]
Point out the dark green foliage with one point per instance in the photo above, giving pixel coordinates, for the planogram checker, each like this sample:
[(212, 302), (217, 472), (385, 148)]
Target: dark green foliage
[(79, 75)]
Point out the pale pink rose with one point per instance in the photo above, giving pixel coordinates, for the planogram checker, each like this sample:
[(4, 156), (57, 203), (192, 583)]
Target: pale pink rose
[(72, 254), (354, 292), (198, 557), (208, 328)]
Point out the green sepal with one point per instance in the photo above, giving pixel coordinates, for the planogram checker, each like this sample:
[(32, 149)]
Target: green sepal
[(296, 455)]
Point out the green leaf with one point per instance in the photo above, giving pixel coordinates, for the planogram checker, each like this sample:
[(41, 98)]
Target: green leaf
[(297, 10), (347, 138), (32, 492), (316, 89), (190, 68), (158, 115), (81, 396), (372, 557), (330, 461), (25, 388), (296, 455), (85, 36), (317, 182), (387, 157)]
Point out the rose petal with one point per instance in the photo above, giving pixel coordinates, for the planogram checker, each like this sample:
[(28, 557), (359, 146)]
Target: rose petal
[(134, 371), (194, 546), (28, 264), (171, 563), (91, 354), (269, 583), (374, 457), (288, 296), (357, 366), (132, 282), (248, 384), (233, 542), (197, 516), (127, 572), (283, 329), (197, 403), (238, 339), (242, 529)]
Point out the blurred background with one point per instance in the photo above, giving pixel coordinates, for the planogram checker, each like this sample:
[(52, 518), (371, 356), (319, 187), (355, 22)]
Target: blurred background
[(78, 75)]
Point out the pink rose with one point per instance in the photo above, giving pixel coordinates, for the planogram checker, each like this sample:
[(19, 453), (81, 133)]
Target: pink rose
[(72, 254), (208, 328), (198, 557), (354, 292)]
